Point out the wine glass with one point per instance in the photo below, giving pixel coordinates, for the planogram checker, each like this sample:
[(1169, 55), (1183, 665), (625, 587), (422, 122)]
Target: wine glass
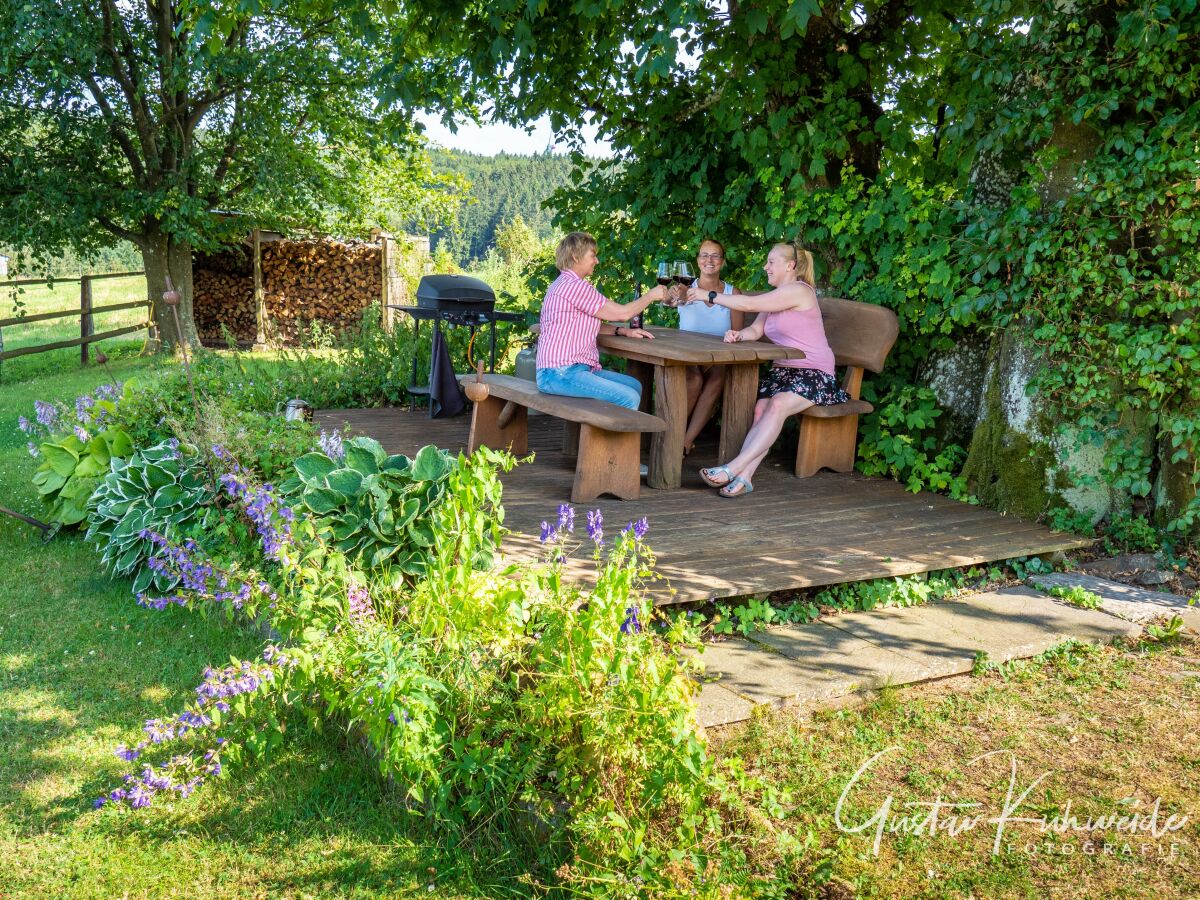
[(683, 274), (664, 278)]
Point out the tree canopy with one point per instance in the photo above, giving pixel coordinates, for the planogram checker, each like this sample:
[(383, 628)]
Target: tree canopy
[(143, 121), (979, 167), (501, 189)]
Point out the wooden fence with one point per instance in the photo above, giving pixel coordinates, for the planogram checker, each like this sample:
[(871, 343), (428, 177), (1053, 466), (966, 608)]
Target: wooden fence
[(85, 313)]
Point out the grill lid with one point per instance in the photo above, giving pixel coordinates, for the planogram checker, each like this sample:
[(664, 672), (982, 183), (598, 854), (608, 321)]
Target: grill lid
[(440, 291)]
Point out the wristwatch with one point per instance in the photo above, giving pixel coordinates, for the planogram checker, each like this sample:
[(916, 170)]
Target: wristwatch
[(712, 297)]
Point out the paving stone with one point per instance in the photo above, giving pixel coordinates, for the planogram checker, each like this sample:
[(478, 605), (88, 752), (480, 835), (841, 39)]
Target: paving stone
[(717, 705), (817, 663), (882, 647), (761, 675), (921, 637), (1124, 564), (1016, 611), (1131, 603)]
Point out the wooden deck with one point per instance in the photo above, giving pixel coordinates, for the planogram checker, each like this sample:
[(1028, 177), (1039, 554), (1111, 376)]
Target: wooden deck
[(790, 533)]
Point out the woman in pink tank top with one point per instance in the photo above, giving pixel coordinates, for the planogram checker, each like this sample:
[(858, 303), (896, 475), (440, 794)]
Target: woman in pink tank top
[(791, 317)]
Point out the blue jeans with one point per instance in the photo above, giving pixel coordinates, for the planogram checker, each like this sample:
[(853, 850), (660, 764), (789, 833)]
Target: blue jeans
[(580, 381)]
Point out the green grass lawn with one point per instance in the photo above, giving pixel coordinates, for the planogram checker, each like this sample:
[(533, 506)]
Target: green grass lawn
[(81, 668), (64, 295)]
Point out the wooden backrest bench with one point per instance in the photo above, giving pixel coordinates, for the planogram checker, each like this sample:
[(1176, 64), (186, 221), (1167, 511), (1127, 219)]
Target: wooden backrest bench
[(605, 438), (861, 336)]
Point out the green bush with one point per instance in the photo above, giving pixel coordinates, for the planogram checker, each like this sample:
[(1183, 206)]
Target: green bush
[(372, 506), (71, 470), (76, 447), (498, 698), (157, 490), (899, 441)]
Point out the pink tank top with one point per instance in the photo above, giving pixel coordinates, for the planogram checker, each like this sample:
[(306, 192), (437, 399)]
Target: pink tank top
[(804, 329)]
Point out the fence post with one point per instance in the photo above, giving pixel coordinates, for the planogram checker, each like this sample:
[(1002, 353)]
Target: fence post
[(86, 329)]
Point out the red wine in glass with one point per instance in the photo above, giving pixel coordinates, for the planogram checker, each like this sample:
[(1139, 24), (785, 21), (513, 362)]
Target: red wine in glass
[(683, 274)]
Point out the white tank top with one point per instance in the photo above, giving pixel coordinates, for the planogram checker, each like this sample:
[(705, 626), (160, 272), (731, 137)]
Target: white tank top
[(699, 316)]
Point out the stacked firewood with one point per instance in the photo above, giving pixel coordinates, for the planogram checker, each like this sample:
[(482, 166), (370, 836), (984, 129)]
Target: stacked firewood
[(223, 294), (326, 281)]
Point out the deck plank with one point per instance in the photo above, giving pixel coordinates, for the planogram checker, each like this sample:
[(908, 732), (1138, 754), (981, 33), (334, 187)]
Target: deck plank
[(790, 533)]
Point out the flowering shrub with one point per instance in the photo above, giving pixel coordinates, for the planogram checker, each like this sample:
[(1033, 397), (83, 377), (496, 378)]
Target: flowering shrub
[(77, 444), (491, 695)]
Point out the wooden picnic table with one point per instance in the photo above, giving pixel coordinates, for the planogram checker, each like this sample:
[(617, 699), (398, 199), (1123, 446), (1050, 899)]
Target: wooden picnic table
[(661, 364)]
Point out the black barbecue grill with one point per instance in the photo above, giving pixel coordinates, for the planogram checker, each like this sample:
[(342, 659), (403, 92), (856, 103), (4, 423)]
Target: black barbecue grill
[(455, 300)]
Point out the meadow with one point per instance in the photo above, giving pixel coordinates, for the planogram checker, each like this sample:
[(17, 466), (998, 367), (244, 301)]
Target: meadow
[(62, 295)]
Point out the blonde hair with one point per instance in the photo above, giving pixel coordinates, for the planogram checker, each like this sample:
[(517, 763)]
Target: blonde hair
[(801, 257), (572, 248)]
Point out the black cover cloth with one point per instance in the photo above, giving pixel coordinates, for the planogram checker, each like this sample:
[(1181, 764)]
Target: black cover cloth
[(445, 396)]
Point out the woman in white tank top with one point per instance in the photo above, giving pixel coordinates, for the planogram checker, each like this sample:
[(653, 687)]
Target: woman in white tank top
[(705, 383)]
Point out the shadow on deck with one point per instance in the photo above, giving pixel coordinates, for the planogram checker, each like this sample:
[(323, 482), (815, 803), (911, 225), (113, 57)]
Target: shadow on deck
[(790, 533)]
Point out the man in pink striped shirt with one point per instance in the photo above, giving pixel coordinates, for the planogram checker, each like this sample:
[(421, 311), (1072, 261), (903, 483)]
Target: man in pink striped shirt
[(573, 314)]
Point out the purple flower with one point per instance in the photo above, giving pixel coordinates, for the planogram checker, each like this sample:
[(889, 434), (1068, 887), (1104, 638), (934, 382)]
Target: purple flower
[(360, 604), (392, 718), (24, 424), (126, 754), (632, 624), (566, 517), (32, 448), (83, 407), (81, 433), (595, 526), (47, 413), (139, 797), (109, 391), (331, 444), (548, 533), (269, 514), (99, 802), (639, 528)]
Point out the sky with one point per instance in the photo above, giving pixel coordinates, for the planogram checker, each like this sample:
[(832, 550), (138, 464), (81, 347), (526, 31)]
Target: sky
[(491, 139)]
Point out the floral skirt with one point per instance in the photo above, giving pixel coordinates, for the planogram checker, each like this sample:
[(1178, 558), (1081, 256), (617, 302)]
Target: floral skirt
[(811, 384)]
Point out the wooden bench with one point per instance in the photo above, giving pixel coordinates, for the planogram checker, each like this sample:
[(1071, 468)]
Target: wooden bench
[(604, 438), (861, 335)]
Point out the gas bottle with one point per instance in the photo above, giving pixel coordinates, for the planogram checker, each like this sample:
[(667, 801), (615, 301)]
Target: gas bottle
[(527, 363)]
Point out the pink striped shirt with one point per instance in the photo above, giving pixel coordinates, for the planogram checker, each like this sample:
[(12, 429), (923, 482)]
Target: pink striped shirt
[(569, 324)]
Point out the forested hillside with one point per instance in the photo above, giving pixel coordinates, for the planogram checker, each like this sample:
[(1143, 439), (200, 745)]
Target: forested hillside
[(502, 187)]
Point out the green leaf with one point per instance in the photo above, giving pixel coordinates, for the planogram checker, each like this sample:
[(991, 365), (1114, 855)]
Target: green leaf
[(168, 496), (62, 459), (119, 444), (47, 481), (362, 460), (346, 482), (313, 467), (396, 464), (321, 500), (431, 464)]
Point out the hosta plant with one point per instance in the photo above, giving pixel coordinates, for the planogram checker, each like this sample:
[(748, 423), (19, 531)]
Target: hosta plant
[(75, 444), (370, 505), (155, 491), (71, 470)]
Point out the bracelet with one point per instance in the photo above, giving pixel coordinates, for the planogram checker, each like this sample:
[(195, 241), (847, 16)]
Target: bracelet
[(617, 332)]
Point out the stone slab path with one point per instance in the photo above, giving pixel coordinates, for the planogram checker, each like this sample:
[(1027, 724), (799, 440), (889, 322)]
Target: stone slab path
[(841, 655), (1133, 603)]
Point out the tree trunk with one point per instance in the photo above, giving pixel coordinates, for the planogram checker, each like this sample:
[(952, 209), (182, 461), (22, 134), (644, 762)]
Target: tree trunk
[(163, 255)]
